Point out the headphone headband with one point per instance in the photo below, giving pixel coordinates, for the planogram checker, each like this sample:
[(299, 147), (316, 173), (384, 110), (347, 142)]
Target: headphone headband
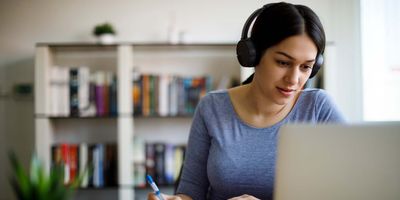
[(246, 51), (249, 21)]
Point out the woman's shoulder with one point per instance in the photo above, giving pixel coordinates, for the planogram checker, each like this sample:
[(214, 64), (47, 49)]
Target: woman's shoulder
[(215, 95), (314, 93), (323, 105), (311, 98), (215, 103), (214, 98)]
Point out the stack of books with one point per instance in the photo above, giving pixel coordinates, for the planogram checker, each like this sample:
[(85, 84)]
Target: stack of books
[(165, 95), (96, 164), (163, 161), (77, 92)]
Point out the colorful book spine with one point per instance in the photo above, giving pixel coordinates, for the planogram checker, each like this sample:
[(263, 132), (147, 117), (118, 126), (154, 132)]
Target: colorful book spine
[(65, 162), (163, 95), (146, 95), (137, 93), (73, 160), (73, 92), (163, 161), (100, 107)]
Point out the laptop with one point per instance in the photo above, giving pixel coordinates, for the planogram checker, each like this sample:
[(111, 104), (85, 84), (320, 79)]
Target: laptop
[(326, 162)]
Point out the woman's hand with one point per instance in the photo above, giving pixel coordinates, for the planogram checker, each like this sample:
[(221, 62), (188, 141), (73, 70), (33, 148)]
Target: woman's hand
[(244, 197), (152, 196)]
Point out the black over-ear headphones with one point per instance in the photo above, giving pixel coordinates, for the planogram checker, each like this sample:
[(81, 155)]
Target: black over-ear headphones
[(247, 53)]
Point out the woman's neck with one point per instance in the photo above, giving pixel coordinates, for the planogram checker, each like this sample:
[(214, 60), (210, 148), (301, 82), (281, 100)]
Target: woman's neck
[(262, 105), (257, 109)]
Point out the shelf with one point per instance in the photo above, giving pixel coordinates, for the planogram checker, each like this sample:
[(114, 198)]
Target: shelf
[(161, 44), (163, 117), (113, 117), (43, 116), (77, 117), (217, 60)]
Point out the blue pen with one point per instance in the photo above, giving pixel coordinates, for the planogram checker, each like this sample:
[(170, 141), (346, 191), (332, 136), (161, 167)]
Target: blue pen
[(154, 186)]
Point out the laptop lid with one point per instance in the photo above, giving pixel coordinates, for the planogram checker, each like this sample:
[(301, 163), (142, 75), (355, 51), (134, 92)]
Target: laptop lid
[(323, 162)]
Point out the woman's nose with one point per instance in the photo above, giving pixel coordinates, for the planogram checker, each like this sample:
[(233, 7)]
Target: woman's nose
[(293, 76)]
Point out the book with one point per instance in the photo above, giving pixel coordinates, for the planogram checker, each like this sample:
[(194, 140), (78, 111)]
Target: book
[(64, 96), (113, 96), (159, 157), (99, 92), (65, 162), (169, 167), (146, 95), (163, 95), (90, 109), (150, 160), (84, 165), (73, 92), (179, 154), (137, 93), (110, 164), (163, 162), (83, 89), (173, 98), (98, 173), (73, 163)]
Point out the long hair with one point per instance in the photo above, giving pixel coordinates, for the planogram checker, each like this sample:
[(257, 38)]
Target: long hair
[(279, 21)]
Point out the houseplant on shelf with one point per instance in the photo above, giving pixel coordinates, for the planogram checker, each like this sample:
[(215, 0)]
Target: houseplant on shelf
[(105, 33), (37, 184)]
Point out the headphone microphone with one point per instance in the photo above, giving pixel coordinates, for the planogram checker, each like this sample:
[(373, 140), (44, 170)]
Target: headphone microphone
[(246, 51)]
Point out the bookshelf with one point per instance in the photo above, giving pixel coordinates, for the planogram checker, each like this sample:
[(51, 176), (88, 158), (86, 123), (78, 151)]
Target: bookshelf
[(217, 61)]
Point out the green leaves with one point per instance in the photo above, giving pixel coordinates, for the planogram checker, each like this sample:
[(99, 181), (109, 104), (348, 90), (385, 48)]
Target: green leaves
[(103, 29), (38, 185), (20, 181)]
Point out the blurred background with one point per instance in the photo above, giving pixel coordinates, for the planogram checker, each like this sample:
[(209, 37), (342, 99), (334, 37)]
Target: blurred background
[(363, 71)]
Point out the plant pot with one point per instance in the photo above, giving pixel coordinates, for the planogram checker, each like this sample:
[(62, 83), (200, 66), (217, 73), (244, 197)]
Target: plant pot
[(106, 39)]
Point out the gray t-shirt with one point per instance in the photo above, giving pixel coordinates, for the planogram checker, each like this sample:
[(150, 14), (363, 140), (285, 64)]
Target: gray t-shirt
[(227, 157)]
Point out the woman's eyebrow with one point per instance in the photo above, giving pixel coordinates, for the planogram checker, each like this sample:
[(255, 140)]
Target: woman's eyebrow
[(291, 57)]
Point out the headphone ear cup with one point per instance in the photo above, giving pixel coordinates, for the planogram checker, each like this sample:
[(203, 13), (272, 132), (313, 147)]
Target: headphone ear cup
[(246, 53), (317, 65)]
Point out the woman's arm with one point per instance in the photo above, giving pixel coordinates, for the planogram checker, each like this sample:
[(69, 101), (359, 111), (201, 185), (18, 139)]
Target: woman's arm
[(194, 181)]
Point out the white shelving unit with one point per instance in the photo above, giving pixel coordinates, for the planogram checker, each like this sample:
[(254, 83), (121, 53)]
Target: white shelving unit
[(217, 60)]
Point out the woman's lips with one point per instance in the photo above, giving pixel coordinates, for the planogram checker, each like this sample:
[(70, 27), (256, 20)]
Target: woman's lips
[(286, 91)]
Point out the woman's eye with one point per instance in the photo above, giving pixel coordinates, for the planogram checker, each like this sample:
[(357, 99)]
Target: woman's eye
[(307, 67), (283, 63)]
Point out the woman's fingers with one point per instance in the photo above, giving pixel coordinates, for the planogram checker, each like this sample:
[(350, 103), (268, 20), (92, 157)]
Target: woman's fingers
[(152, 196)]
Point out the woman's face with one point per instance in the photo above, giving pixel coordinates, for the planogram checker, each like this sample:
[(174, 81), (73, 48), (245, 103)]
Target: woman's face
[(284, 68)]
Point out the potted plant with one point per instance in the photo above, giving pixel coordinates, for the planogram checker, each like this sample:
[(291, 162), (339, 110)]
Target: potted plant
[(105, 33), (37, 184)]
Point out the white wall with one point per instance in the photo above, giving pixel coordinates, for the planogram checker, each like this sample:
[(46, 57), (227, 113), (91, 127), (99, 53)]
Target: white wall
[(25, 23), (346, 35)]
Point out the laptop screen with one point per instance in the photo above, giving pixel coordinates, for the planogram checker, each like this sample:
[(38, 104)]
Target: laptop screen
[(359, 161)]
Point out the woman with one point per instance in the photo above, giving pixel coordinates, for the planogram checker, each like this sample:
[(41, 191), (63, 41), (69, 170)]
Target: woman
[(232, 143)]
